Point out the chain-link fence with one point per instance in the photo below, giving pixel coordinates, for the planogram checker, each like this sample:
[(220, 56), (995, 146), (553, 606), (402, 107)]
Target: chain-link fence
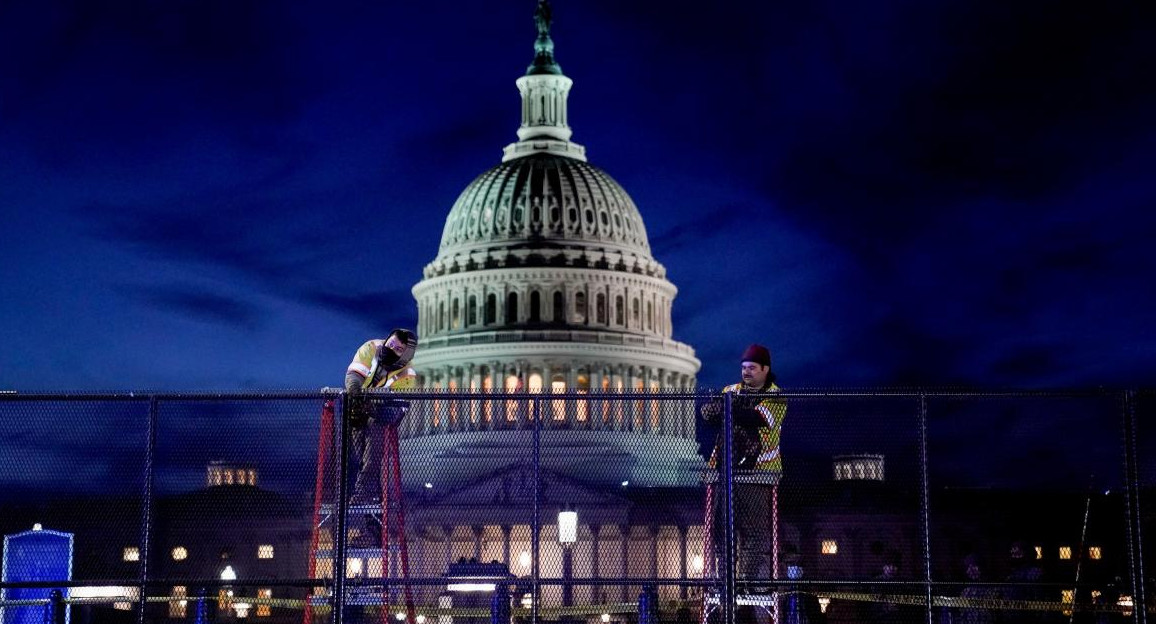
[(871, 507)]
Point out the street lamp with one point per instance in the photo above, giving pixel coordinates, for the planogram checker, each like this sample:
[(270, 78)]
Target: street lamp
[(567, 535)]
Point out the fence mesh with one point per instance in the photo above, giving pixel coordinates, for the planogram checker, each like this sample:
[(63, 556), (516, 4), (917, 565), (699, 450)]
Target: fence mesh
[(889, 507)]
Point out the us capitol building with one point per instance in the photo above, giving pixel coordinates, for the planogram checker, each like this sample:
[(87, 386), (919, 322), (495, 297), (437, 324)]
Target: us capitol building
[(544, 282)]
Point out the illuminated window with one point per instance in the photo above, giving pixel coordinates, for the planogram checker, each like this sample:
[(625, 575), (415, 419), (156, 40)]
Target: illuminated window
[(512, 384), (1094, 552), (265, 551), (1065, 552), (131, 553), (558, 386), (180, 553), (830, 547), (264, 610), (178, 607), (1039, 552)]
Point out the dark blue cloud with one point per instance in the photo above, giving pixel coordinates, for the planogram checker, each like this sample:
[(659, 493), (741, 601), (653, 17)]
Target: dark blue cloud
[(897, 192)]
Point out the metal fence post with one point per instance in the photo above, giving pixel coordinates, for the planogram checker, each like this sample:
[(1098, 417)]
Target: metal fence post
[(648, 605), (924, 504), (536, 529), (500, 605), (146, 507), (201, 615), (727, 481), (56, 607), (339, 540), (1132, 498)]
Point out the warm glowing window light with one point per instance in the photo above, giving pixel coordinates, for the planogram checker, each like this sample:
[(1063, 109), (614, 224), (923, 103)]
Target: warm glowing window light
[(1065, 552), (131, 553), (180, 553), (178, 608), (1094, 552), (697, 564), (265, 551), (830, 547), (264, 609)]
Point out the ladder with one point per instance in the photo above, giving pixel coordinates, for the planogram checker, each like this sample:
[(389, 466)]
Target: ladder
[(390, 513), (710, 563)]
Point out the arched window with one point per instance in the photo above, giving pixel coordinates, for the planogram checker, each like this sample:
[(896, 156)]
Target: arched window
[(512, 308), (600, 308), (441, 315), (636, 313), (535, 307), (580, 307), (491, 309), (472, 311), (619, 310), (650, 315), (559, 307), (455, 315)]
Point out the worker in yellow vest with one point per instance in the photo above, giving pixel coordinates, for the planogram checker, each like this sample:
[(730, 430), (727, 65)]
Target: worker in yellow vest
[(757, 418), (380, 366)]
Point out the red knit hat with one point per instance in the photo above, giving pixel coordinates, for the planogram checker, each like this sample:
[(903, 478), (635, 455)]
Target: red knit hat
[(758, 354)]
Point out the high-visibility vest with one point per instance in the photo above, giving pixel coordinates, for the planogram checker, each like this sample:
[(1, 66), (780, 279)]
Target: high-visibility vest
[(773, 410)]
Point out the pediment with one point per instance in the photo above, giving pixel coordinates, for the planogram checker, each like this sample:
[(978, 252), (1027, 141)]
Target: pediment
[(513, 486)]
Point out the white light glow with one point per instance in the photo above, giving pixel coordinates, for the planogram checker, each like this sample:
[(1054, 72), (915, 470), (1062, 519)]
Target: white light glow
[(605, 617), (420, 619), (228, 574), (102, 592), (37, 527), (399, 616), (524, 559), (697, 563), (824, 602), (471, 587), (567, 527)]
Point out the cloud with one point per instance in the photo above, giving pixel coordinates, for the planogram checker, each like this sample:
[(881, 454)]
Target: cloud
[(197, 303)]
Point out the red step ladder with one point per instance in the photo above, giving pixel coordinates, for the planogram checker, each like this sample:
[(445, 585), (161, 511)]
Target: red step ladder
[(392, 505)]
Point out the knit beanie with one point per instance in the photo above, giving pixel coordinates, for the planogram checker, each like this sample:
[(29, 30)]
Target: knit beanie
[(758, 354)]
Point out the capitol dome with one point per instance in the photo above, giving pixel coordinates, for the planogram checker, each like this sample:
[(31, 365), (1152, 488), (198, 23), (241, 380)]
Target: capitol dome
[(544, 210), (544, 282)]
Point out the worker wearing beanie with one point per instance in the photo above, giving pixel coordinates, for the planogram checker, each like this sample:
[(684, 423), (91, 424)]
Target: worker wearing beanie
[(757, 422)]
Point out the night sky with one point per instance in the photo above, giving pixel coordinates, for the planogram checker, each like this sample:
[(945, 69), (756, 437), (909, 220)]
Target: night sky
[(223, 195)]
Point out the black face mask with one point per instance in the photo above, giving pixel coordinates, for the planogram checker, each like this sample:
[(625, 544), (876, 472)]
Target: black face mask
[(389, 359)]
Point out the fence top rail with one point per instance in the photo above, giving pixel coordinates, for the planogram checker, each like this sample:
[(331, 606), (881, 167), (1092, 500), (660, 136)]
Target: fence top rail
[(594, 394)]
